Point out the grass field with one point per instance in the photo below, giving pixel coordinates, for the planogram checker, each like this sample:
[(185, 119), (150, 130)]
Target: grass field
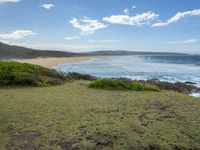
[(73, 116)]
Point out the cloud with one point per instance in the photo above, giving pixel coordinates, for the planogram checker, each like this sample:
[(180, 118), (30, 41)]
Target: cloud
[(72, 38), (126, 11), (87, 25), (178, 17), (134, 7), (9, 1), (188, 41), (47, 6), (138, 19), (79, 8), (16, 35), (103, 41)]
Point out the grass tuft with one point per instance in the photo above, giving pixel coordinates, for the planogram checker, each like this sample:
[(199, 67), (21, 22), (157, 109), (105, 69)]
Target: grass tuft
[(122, 84)]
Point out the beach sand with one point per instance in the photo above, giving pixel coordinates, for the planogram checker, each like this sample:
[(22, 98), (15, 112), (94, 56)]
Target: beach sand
[(50, 62)]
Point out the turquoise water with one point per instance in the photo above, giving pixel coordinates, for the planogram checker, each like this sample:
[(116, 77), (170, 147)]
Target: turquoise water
[(164, 68)]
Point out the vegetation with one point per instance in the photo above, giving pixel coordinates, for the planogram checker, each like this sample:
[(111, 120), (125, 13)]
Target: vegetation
[(122, 84), (14, 73), (8, 52), (79, 76), (72, 116), (123, 52)]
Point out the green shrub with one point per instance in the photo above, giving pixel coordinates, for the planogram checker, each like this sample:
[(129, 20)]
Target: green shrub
[(14, 73), (79, 76), (122, 84)]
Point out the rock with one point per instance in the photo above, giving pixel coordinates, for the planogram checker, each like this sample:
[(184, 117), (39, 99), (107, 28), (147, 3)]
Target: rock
[(188, 82), (153, 80), (178, 86)]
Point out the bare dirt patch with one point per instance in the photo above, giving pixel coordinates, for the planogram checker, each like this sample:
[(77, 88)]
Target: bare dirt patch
[(18, 141)]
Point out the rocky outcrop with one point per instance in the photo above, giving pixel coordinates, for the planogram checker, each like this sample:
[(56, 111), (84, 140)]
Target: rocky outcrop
[(187, 87)]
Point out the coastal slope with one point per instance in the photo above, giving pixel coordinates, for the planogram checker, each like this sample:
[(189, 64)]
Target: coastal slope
[(73, 116)]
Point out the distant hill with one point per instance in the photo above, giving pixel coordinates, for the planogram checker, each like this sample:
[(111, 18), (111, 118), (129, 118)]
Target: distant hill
[(122, 52), (17, 52)]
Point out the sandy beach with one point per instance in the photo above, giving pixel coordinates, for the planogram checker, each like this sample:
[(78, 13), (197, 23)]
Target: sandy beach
[(49, 62)]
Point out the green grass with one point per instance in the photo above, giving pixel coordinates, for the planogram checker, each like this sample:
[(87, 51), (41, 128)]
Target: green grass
[(122, 84), (73, 116), (23, 74)]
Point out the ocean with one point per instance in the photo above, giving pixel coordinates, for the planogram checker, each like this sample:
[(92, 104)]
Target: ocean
[(180, 68)]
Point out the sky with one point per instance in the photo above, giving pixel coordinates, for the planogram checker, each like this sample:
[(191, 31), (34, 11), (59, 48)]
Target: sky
[(90, 25)]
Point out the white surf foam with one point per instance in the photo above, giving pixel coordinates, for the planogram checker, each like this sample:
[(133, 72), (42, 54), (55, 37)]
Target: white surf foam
[(195, 95)]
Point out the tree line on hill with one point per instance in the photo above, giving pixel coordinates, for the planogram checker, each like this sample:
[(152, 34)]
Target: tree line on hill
[(17, 52)]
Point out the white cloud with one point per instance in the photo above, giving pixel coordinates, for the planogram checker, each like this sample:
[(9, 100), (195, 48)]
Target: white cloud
[(134, 7), (188, 41), (9, 1), (87, 25), (47, 6), (16, 35), (103, 41), (177, 17), (72, 38), (126, 11), (138, 19)]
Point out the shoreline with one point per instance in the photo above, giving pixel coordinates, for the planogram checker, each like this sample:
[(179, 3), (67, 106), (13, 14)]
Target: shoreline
[(53, 61)]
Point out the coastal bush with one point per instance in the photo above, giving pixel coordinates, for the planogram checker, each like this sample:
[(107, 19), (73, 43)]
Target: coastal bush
[(14, 73), (79, 76), (122, 84)]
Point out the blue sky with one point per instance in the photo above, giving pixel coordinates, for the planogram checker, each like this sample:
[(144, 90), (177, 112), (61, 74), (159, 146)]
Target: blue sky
[(88, 25)]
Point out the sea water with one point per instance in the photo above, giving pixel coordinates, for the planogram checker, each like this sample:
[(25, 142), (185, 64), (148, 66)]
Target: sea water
[(176, 68)]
